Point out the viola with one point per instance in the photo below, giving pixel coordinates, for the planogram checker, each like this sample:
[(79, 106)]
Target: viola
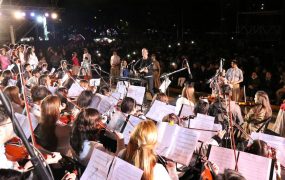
[(15, 150)]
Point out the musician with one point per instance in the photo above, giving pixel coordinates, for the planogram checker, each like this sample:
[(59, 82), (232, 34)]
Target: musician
[(257, 113), (86, 134), (38, 93), (34, 80), (156, 71), (12, 92), (146, 70), (160, 97), (140, 153), (187, 97), (235, 76), (115, 62), (44, 80)]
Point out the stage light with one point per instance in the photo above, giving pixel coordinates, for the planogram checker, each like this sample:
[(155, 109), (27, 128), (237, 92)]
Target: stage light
[(54, 16), (46, 15), (39, 19), (32, 14), (134, 53), (178, 44), (232, 38), (99, 55), (128, 55), (169, 46), (192, 42), (19, 15)]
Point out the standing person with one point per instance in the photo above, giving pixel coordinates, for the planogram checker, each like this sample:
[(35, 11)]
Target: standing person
[(86, 63), (156, 71), (86, 55), (75, 63), (146, 70), (31, 57), (115, 62), (235, 76), (4, 59)]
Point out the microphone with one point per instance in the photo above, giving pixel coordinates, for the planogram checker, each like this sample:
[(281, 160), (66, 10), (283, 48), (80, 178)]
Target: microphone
[(188, 68)]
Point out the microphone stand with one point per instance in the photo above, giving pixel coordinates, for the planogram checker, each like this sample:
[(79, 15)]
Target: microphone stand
[(41, 171), (101, 77)]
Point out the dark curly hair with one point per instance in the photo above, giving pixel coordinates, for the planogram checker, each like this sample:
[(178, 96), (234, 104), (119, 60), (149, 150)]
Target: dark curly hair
[(87, 126)]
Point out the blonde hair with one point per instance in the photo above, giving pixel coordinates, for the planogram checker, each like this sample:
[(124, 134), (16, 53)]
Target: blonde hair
[(140, 150), (264, 103), (189, 95)]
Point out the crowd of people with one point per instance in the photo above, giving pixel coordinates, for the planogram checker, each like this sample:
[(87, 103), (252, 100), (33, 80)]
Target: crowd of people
[(52, 95)]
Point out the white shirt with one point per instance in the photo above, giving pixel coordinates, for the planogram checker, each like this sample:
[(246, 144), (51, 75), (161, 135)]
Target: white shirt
[(88, 56), (159, 172), (180, 101), (4, 162), (33, 60)]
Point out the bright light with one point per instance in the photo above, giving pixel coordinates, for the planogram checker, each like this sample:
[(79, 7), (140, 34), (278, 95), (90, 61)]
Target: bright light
[(46, 14), (192, 42), (232, 38), (32, 14), (54, 16), (169, 46), (128, 56), (134, 53), (178, 44), (39, 19), (19, 15), (99, 55)]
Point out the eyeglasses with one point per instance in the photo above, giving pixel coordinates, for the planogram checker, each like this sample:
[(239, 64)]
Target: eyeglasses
[(6, 123)]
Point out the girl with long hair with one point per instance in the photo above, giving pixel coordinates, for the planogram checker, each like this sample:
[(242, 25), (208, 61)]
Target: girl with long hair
[(87, 133), (12, 92), (141, 153), (187, 97)]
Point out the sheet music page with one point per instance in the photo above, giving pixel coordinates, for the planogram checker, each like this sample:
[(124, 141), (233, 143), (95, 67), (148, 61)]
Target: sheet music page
[(165, 137), (24, 122), (164, 85), (129, 128), (104, 105), (114, 98), (217, 127), (122, 87), (98, 166), (123, 170), (274, 141), (94, 82), (186, 111), (137, 93), (223, 157), (183, 145), (254, 167), (205, 135), (75, 90), (158, 110)]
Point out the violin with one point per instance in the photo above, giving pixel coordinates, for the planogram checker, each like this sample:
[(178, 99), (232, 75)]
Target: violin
[(66, 118), (15, 150)]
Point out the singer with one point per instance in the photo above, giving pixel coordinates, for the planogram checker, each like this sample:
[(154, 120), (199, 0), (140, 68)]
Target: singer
[(145, 68)]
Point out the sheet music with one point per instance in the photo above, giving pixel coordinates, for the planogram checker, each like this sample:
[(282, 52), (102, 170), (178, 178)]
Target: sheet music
[(24, 123), (122, 87), (164, 137), (252, 166), (75, 90), (217, 127), (202, 122), (163, 87), (129, 128), (98, 166), (274, 141), (10, 67), (94, 82), (223, 157), (205, 135), (158, 110), (124, 170), (186, 111), (104, 105), (137, 93), (114, 98), (183, 145)]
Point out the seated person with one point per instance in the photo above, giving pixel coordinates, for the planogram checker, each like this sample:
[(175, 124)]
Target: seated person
[(87, 132)]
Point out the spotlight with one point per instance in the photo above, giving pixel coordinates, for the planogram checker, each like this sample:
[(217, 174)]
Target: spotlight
[(99, 55), (46, 15), (178, 44), (169, 46), (54, 16), (32, 14), (192, 42), (18, 15), (39, 19)]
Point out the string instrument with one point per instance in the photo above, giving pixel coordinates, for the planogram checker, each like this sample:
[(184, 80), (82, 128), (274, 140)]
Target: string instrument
[(210, 98), (15, 150), (247, 103), (207, 173)]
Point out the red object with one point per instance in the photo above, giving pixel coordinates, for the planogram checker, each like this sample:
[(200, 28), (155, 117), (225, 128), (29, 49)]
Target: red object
[(15, 150), (282, 106)]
